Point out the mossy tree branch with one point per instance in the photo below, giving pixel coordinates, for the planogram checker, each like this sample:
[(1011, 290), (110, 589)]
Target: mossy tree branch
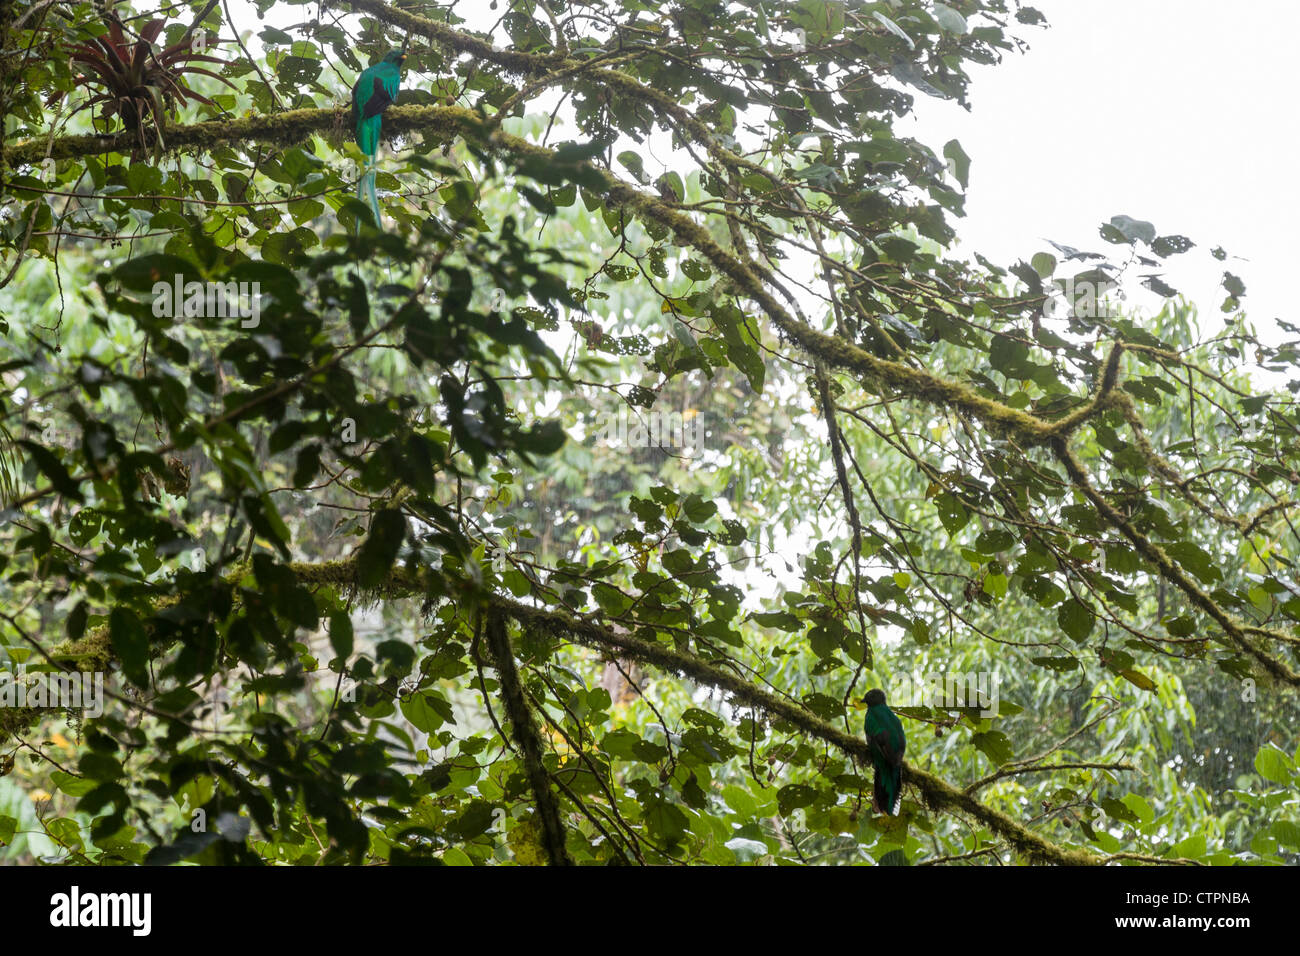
[(524, 731), (936, 793), (402, 582), (1169, 570)]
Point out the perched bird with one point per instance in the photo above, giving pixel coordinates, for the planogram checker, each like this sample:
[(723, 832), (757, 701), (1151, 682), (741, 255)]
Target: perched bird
[(375, 91), (886, 743)]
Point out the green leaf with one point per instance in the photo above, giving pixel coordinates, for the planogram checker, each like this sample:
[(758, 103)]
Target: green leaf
[(949, 19), (1118, 810), (994, 541), (694, 269), (380, 548), (893, 28), (620, 744), (1056, 663), (1138, 679), (1171, 245), (793, 796), (611, 600), (426, 711), (824, 706), (1194, 559), (742, 345), (952, 513), (632, 161), (781, 620), (52, 468), (995, 745), (130, 644), (518, 583), (995, 585), (142, 273), (76, 623), (1129, 230), (666, 821), (1044, 263), (305, 210), (1076, 619), (958, 161), (453, 856), (1273, 764), (71, 785), (740, 800), (273, 37), (1138, 804), (822, 19), (1192, 848), (341, 633), (1286, 832), (85, 524)]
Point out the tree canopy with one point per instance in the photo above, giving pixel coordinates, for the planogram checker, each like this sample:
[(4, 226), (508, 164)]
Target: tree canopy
[(567, 514)]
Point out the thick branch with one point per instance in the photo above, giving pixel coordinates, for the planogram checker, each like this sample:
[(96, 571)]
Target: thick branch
[(937, 794), (916, 384), (526, 739)]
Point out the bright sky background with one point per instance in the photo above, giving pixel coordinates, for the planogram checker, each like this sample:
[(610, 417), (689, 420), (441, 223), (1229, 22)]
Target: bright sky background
[(1179, 112)]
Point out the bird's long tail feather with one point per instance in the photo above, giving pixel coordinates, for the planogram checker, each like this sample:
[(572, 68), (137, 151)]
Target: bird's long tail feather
[(888, 790), (366, 193)]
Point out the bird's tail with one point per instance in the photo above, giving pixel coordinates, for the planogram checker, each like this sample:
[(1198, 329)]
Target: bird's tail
[(366, 193), (889, 790)]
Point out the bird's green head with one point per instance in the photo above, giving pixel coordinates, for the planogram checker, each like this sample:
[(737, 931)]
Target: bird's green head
[(875, 698), (395, 57)]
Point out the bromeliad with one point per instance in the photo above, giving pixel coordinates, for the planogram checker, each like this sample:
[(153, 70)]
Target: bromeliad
[(375, 90), (138, 81)]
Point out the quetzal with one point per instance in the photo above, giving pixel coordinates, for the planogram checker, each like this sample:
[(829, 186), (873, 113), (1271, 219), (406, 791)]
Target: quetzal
[(886, 743), (375, 91)]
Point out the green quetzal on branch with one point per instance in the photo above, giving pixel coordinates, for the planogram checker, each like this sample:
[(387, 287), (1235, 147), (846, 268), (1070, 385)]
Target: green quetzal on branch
[(886, 743), (374, 92)]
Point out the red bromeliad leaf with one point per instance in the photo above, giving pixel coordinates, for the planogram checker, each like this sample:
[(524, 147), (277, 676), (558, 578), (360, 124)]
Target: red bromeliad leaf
[(139, 80)]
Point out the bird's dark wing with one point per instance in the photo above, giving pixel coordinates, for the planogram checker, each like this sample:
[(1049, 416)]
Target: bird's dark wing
[(379, 100), (886, 743), (882, 747)]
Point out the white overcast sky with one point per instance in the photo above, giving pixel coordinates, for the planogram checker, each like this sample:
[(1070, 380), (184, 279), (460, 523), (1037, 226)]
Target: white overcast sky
[(1179, 112)]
